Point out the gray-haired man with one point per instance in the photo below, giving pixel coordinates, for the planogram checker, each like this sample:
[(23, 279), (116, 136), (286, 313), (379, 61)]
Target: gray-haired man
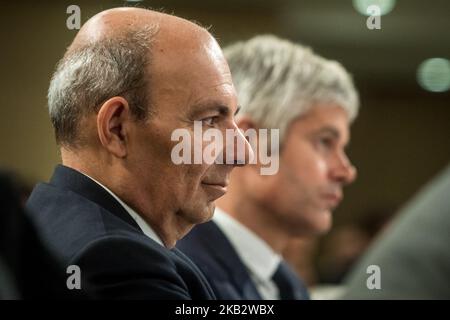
[(312, 101)]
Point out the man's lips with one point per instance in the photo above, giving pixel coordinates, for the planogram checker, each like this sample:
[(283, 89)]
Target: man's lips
[(216, 182), (217, 188), (333, 198)]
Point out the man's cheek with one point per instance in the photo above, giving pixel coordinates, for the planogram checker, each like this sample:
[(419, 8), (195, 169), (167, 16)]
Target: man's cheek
[(321, 168)]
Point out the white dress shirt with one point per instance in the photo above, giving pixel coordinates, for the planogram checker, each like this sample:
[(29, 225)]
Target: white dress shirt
[(143, 225), (259, 258)]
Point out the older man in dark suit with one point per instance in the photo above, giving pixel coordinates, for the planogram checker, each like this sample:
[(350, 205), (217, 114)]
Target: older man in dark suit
[(117, 205)]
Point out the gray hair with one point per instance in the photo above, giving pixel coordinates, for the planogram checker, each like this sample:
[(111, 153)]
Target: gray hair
[(91, 74), (277, 81)]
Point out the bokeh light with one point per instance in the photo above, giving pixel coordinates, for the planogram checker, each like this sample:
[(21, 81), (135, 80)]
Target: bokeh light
[(434, 74), (385, 6)]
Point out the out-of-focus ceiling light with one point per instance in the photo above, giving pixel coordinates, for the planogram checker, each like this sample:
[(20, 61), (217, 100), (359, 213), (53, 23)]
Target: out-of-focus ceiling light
[(434, 74), (385, 6)]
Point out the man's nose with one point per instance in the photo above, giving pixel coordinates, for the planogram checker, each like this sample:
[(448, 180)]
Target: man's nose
[(344, 171), (238, 151)]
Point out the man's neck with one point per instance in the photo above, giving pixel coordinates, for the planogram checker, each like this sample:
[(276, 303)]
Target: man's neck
[(166, 222), (161, 222)]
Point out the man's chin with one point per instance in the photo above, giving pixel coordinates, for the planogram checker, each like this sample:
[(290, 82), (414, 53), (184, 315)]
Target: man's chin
[(192, 217), (325, 222), (321, 223), (204, 213), (210, 210)]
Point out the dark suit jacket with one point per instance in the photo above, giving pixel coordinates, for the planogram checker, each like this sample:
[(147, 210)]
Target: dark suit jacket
[(85, 226), (209, 248)]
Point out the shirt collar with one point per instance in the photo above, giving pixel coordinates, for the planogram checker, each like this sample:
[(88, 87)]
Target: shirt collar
[(255, 253), (145, 227)]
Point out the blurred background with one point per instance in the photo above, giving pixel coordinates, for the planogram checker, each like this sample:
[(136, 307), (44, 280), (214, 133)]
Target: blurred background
[(400, 140)]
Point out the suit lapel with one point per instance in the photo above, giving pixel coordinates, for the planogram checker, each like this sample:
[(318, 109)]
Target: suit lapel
[(222, 250)]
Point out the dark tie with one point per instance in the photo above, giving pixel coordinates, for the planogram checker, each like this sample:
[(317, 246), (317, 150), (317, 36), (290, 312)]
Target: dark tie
[(289, 285)]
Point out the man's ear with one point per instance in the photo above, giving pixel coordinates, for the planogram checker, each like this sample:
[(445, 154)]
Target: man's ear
[(112, 120)]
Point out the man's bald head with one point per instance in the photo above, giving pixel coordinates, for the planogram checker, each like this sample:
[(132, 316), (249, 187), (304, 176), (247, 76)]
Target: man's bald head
[(118, 22), (113, 55)]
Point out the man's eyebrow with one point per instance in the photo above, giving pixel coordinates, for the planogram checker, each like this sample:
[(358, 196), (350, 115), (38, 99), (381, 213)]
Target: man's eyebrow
[(334, 132), (212, 106), (329, 130)]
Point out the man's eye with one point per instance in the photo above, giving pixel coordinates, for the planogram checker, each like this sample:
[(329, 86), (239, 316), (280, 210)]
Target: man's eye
[(210, 121), (326, 142)]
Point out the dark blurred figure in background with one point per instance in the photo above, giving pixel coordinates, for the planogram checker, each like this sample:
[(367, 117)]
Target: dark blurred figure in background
[(9, 214), (343, 246), (27, 270), (324, 263), (412, 253)]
